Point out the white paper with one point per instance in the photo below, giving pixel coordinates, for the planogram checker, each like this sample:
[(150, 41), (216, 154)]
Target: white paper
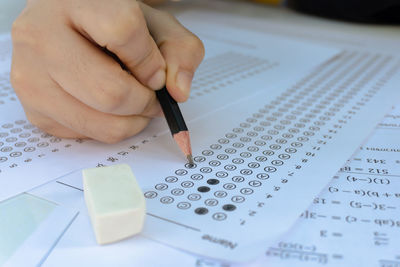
[(314, 240), (35, 224), (271, 204), (78, 247), (5, 52), (305, 244), (355, 220), (29, 157), (301, 126)]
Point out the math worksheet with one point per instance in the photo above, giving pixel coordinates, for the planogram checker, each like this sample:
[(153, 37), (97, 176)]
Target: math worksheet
[(270, 127), (355, 220)]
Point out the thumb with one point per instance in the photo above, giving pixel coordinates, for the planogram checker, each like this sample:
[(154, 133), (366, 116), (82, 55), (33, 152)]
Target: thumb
[(181, 49)]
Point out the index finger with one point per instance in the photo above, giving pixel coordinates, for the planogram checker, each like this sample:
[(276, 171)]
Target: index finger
[(120, 27)]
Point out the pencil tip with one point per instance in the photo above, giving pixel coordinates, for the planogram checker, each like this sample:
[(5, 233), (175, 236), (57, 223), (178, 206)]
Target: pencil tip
[(190, 159), (183, 141)]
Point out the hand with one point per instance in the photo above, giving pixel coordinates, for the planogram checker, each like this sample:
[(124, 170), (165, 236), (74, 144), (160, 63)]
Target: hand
[(71, 88)]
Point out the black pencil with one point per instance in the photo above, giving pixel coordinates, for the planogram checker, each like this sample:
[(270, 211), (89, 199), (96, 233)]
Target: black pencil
[(175, 121)]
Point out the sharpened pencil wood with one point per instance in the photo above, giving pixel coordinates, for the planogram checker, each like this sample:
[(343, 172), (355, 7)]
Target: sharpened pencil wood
[(176, 123)]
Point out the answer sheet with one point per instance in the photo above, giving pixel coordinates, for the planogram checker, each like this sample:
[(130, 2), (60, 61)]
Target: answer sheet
[(249, 170), (259, 131), (354, 221), (29, 157)]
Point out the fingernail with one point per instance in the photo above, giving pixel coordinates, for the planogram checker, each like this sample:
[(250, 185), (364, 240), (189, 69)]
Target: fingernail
[(157, 81), (184, 81)]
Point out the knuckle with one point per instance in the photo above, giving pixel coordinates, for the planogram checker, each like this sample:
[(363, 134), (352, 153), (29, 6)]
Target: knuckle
[(23, 87), (192, 45), (39, 122), (112, 95), (148, 105), (121, 27), (24, 32), (17, 79), (166, 15), (197, 45), (148, 56), (116, 133), (19, 28), (110, 100)]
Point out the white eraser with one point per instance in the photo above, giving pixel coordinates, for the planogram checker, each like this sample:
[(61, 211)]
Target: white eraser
[(115, 202)]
